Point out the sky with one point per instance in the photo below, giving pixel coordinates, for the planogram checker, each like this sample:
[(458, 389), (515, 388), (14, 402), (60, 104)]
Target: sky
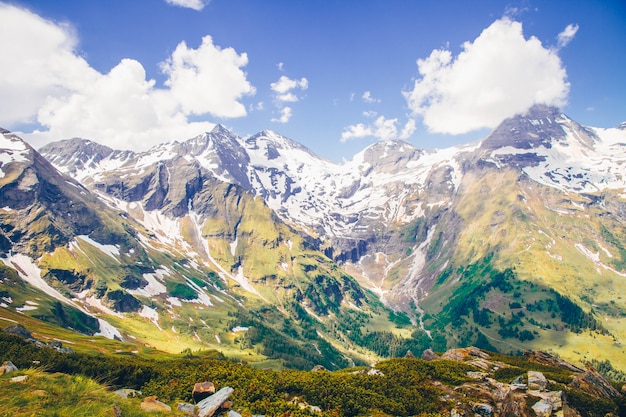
[(334, 75)]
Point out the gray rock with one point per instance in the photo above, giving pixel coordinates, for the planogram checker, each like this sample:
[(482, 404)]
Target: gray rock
[(7, 367), (542, 408), (19, 330), (186, 408)]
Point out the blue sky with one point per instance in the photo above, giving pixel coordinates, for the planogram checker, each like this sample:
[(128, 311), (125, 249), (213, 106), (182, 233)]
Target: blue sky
[(333, 75)]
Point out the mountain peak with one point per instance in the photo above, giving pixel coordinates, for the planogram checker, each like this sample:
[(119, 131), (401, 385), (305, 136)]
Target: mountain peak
[(535, 128)]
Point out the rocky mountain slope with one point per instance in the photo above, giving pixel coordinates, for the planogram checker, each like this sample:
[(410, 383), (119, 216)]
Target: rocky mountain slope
[(514, 242)]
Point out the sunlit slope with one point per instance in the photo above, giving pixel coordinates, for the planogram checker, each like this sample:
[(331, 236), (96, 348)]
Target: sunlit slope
[(534, 267)]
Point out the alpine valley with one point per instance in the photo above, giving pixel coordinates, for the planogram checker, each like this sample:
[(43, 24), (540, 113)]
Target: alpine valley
[(259, 249)]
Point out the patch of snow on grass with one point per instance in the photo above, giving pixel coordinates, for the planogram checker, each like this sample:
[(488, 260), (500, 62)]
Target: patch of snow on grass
[(151, 314), (110, 250), (30, 272), (109, 331)]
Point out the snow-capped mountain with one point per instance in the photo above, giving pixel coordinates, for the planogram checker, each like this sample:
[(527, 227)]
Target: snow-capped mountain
[(533, 215)]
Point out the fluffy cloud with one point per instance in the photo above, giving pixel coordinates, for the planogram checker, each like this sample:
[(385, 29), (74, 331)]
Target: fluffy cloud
[(285, 84), (44, 80), (190, 4), (567, 35), (284, 93), (208, 79), (37, 61), (499, 74), (382, 128)]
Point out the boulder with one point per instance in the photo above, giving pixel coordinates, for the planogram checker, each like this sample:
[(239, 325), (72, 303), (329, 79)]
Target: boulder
[(19, 330), (150, 404), (542, 408), (319, 368), (409, 354), (20, 379), (202, 390), (429, 355), (7, 367), (536, 381), (128, 393), (208, 406), (186, 408)]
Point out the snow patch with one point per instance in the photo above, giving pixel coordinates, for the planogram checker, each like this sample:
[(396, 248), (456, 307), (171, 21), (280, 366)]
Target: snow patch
[(151, 314), (109, 331)]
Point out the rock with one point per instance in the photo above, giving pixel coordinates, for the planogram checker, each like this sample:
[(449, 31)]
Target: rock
[(542, 408), (483, 410), (429, 355), (19, 330), (536, 381), (232, 413), (595, 384), (550, 403), (319, 368), (202, 390), (208, 406), (128, 393), (544, 358), (39, 393), (7, 367), (186, 408), (465, 354), (409, 354), (20, 379), (480, 376), (150, 404)]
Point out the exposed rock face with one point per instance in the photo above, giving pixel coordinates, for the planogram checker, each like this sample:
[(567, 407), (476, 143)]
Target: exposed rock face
[(595, 384), (544, 358)]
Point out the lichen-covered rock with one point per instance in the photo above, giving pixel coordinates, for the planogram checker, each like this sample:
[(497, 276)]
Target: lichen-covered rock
[(202, 390)]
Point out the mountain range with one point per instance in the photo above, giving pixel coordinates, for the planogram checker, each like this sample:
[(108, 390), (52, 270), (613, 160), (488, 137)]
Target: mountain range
[(257, 247)]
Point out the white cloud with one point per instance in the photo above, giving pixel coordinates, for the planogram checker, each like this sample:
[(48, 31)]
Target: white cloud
[(499, 74), (190, 4), (567, 35), (285, 115), (285, 84), (208, 79), (284, 93), (44, 80), (280, 66), (382, 129), (367, 97)]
